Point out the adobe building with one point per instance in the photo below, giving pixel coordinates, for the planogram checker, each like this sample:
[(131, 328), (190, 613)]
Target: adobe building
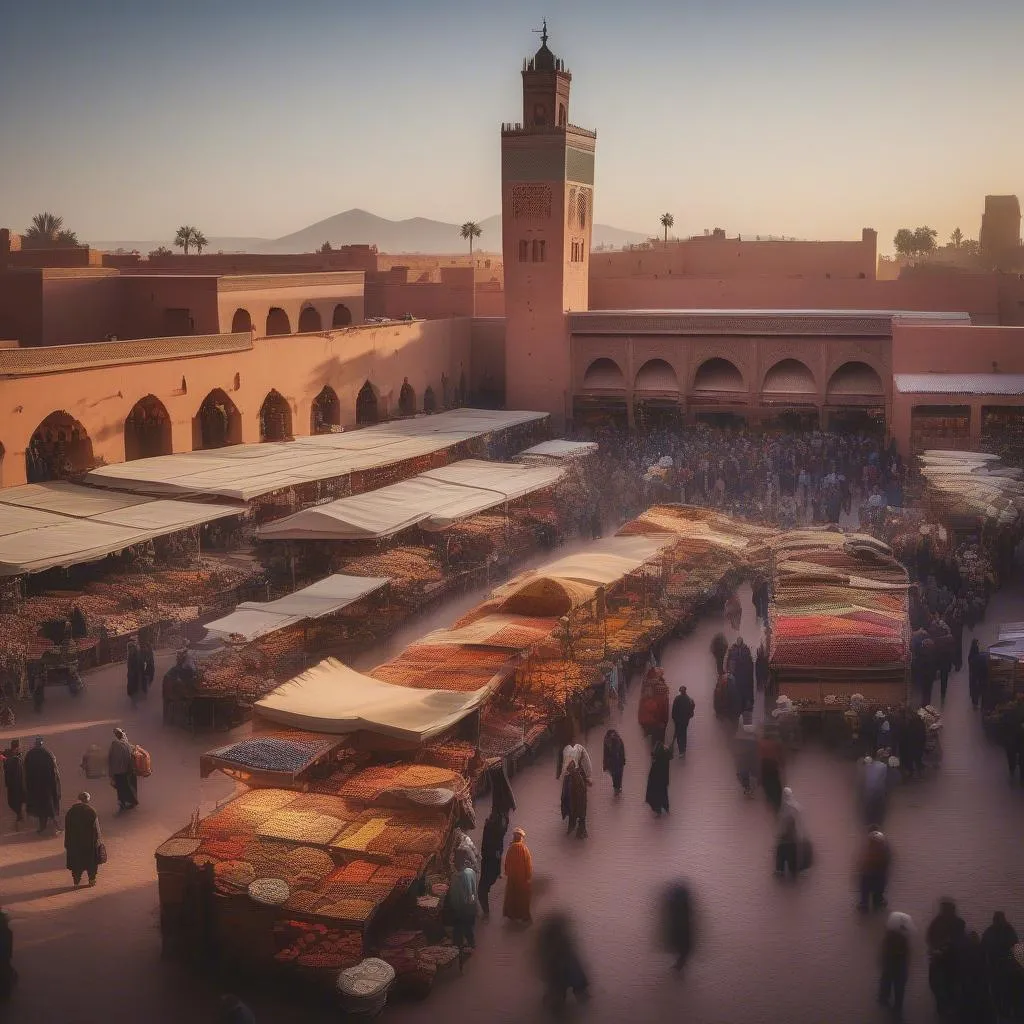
[(999, 237), (727, 330)]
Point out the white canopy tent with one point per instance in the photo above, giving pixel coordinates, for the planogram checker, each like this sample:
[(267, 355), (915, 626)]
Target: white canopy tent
[(332, 698), (58, 524), (434, 499), (246, 471), (252, 619), (561, 449)]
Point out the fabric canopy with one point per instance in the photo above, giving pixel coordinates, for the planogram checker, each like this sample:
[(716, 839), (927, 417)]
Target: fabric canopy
[(253, 619), (562, 449), (246, 471), (57, 524), (332, 698), (434, 499)]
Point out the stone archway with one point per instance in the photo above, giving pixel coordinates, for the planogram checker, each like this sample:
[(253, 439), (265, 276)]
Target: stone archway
[(656, 376), (278, 322), (407, 399), (241, 322), (60, 448), (854, 379), (342, 316), (309, 320), (218, 422), (718, 375), (275, 418), (790, 377), (604, 375), (367, 405), (147, 430), (325, 412)]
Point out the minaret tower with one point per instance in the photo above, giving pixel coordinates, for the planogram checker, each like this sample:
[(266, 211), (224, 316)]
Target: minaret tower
[(547, 186)]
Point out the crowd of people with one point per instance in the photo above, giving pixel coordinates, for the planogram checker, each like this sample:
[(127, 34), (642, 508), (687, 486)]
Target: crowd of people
[(785, 477)]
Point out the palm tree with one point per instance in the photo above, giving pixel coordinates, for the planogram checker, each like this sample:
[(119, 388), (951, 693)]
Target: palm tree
[(183, 238), (956, 238), (667, 220), (199, 241), (470, 230), (48, 232)]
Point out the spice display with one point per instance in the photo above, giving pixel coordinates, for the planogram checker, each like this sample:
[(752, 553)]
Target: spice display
[(301, 827), (270, 891)]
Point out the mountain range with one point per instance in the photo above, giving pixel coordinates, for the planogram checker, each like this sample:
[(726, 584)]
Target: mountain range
[(359, 227)]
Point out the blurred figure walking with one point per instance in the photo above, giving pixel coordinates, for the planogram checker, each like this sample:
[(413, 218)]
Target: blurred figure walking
[(895, 961), (678, 922), (560, 965), (614, 758)]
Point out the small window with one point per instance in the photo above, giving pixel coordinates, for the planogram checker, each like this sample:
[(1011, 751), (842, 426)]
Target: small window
[(562, 118), (538, 250), (524, 251)]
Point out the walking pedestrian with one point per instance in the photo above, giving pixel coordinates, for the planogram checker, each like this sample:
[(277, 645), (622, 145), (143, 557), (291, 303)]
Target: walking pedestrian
[(745, 751), (997, 944), (761, 667), (977, 673), (614, 760), (657, 779), (577, 785), (943, 937), (492, 846), (678, 923), (463, 894), (719, 649), (682, 714), (770, 756), (42, 784), (973, 996), (147, 666), (518, 879), (895, 961), (82, 840), (560, 964), (873, 871), (14, 781), (874, 789), (121, 765), (789, 833), (134, 668), (8, 975)]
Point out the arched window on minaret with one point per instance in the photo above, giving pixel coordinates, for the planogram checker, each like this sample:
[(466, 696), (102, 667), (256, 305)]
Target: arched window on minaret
[(563, 119)]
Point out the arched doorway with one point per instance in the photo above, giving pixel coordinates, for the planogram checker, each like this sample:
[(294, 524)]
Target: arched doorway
[(429, 400), (656, 395), (367, 410), (275, 418), (856, 399), (718, 375), (147, 430), (604, 375), (217, 424), (277, 322), (407, 399), (326, 411), (342, 316), (241, 322), (309, 321), (789, 377), (60, 448)]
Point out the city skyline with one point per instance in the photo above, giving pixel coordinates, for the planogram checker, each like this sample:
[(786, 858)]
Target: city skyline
[(257, 119)]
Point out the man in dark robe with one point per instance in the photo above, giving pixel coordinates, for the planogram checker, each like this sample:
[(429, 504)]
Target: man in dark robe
[(82, 840), (679, 922), (42, 784), (682, 713), (492, 847), (743, 670), (657, 780), (8, 975), (614, 759), (14, 781), (121, 765)]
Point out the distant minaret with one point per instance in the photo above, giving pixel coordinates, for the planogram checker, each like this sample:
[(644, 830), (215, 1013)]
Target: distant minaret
[(547, 185)]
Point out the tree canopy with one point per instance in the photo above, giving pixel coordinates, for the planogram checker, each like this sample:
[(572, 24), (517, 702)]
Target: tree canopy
[(189, 237), (916, 241), (47, 231), (470, 230), (667, 221)]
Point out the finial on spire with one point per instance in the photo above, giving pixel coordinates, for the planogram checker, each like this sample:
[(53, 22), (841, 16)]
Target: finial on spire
[(543, 32)]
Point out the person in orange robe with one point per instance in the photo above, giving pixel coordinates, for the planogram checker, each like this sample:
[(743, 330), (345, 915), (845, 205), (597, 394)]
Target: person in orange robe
[(518, 878)]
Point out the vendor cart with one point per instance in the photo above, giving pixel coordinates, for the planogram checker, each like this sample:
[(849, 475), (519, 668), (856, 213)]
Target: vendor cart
[(58, 666), (1005, 676)]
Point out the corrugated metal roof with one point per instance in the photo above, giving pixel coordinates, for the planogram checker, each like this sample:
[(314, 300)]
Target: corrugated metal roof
[(960, 383)]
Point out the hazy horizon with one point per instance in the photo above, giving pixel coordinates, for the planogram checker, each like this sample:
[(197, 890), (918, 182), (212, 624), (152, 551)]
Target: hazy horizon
[(256, 119)]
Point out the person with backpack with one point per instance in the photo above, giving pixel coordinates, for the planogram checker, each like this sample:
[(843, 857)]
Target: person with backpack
[(121, 765)]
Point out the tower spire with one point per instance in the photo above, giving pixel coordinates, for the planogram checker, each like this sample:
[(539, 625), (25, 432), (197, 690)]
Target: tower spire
[(543, 32)]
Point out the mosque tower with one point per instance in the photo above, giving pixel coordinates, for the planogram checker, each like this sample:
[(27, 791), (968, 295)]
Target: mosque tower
[(547, 190)]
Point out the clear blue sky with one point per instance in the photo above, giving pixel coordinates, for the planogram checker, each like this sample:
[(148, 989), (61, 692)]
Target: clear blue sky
[(252, 117)]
